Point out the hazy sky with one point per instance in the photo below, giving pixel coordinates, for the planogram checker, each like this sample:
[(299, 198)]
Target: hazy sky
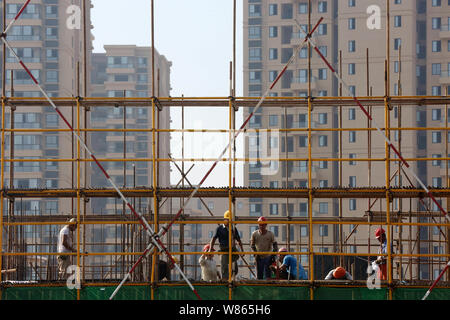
[(197, 37)]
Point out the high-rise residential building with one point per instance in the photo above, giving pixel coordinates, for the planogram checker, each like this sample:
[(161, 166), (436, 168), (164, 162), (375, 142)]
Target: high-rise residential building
[(125, 71), (351, 34), (48, 37)]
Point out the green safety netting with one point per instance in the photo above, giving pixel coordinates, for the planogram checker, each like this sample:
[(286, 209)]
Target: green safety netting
[(324, 293), (247, 292)]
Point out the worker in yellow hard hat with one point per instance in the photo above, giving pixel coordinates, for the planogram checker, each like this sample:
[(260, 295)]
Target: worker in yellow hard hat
[(222, 233)]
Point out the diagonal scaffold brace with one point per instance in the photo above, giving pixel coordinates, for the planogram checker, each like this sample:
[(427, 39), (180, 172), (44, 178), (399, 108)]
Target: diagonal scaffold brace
[(155, 239), (391, 145), (165, 229)]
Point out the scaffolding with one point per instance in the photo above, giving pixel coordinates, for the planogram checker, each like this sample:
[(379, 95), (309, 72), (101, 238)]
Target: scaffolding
[(29, 269)]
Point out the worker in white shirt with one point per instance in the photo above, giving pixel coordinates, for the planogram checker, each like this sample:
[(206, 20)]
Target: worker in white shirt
[(208, 265), (64, 247)]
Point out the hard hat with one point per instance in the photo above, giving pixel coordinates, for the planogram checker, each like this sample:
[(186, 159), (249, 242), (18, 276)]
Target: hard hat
[(206, 248), (227, 214), (262, 219), (379, 232), (339, 273), (73, 220), (282, 250)]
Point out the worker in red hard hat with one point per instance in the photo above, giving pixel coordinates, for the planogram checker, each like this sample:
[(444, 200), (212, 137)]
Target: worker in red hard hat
[(263, 240), (380, 234), (339, 274), (208, 265)]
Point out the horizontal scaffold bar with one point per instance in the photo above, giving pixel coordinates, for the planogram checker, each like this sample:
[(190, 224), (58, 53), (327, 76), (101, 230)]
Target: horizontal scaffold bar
[(225, 101), (363, 192)]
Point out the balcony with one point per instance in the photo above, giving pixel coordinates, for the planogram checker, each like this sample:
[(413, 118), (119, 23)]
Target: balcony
[(301, 83), (445, 77), (445, 32)]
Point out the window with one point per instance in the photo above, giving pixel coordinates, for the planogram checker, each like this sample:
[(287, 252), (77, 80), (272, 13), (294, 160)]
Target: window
[(437, 182), (436, 23), (323, 207), (303, 8), (52, 75), (323, 164), (254, 10), (274, 230), (397, 21), (303, 141), (436, 114), (273, 120), (397, 1), (436, 90), (352, 90), (273, 184), (323, 50), (322, 93), (436, 69), (322, 30), (352, 46), (352, 181), (273, 9), (255, 54), (303, 54), (351, 114), (304, 231), (51, 120), (255, 77), (323, 183), (322, 118), (351, 23), (273, 53), (51, 142), (351, 3), (323, 230), (352, 156), (286, 11), (436, 163), (254, 32), (352, 204), (352, 137), (322, 6), (351, 68), (396, 66), (436, 3), (274, 208), (436, 137), (273, 32), (397, 43), (323, 74), (323, 141), (436, 45)]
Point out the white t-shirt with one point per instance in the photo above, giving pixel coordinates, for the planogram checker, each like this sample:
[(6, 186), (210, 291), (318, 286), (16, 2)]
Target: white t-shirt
[(64, 231), (209, 269)]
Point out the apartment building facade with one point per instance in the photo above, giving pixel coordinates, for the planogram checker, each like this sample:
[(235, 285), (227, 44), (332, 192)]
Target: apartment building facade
[(351, 36)]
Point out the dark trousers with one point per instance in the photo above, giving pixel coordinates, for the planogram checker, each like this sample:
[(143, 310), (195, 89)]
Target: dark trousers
[(286, 275), (262, 268)]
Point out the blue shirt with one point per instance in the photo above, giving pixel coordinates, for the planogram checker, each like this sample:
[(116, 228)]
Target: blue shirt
[(291, 265)]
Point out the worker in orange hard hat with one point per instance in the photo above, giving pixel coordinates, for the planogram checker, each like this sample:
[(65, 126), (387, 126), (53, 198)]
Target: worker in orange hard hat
[(263, 240), (338, 274), (208, 265), (380, 234), (222, 233)]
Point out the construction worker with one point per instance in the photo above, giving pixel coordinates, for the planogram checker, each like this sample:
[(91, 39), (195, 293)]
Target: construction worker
[(164, 270), (380, 234), (64, 247), (339, 274), (288, 268), (208, 265), (263, 240), (222, 232)]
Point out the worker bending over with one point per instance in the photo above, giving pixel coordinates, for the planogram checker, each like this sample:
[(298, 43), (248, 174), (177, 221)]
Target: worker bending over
[(339, 274)]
